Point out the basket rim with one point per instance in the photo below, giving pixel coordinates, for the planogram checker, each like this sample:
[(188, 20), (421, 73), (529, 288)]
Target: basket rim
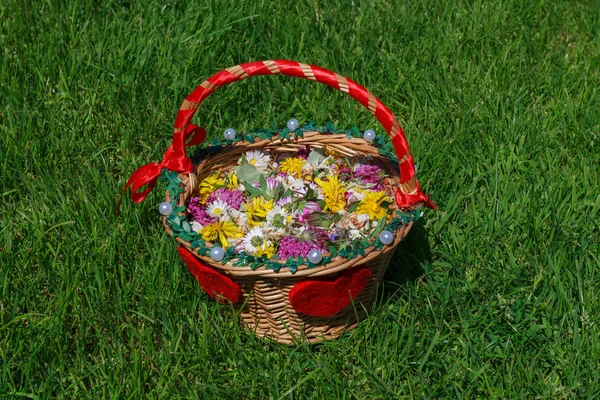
[(334, 263)]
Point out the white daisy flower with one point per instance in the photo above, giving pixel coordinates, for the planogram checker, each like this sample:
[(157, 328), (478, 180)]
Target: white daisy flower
[(259, 159), (253, 240), (278, 217), (218, 209)]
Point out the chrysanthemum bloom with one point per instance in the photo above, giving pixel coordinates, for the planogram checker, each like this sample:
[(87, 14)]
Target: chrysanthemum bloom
[(334, 193), (292, 166), (257, 210), (233, 182), (371, 204), (209, 185), (233, 198), (221, 231), (266, 250)]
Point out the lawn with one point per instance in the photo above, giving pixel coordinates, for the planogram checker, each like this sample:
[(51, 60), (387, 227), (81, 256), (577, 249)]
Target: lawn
[(496, 294)]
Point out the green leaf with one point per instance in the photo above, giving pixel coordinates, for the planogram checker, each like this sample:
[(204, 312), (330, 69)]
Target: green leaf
[(255, 192), (333, 251), (352, 207), (263, 183), (285, 134), (315, 158), (247, 173), (379, 228)]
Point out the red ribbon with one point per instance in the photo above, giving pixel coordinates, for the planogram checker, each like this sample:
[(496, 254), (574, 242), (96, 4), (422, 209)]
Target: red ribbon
[(174, 159), (407, 200)]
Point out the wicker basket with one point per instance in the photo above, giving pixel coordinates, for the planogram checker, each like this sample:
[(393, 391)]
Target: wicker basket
[(267, 297)]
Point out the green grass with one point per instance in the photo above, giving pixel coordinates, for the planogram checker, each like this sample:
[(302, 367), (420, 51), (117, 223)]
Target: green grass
[(495, 295)]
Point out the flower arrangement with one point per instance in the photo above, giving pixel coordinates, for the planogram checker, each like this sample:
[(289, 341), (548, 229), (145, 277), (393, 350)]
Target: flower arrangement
[(288, 205), (283, 210)]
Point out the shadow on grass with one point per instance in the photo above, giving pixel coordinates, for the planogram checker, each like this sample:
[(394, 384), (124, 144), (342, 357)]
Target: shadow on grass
[(407, 264)]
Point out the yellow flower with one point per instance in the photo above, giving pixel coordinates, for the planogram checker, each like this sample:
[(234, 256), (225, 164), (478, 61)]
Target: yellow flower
[(257, 210), (371, 204), (208, 185), (221, 231), (233, 182), (266, 250), (334, 193), (292, 166)]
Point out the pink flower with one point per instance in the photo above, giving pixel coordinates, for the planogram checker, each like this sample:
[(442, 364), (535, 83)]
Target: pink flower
[(234, 198), (311, 207), (198, 212), (311, 238)]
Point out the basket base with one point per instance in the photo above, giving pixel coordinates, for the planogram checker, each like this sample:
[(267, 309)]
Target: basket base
[(268, 313)]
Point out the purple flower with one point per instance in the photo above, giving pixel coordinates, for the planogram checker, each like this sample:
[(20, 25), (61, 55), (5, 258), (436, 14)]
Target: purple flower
[(367, 171), (292, 247), (271, 183), (284, 200), (311, 207), (303, 152), (311, 238), (198, 212), (234, 198), (370, 173)]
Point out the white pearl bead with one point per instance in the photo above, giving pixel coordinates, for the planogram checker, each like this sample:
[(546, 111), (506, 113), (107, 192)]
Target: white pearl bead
[(315, 256), (369, 135), (217, 253), (293, 124), (229, 134), (386, 237), (165, 208)]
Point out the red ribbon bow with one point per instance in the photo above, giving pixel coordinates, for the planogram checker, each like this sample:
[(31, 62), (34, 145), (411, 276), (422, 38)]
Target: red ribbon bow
[(175, 159)]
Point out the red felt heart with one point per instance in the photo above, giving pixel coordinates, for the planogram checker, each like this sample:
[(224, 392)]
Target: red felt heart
[(325, 297), (215, 284)]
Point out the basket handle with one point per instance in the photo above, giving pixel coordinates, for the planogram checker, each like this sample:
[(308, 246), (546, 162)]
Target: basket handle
[(409, 192)]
